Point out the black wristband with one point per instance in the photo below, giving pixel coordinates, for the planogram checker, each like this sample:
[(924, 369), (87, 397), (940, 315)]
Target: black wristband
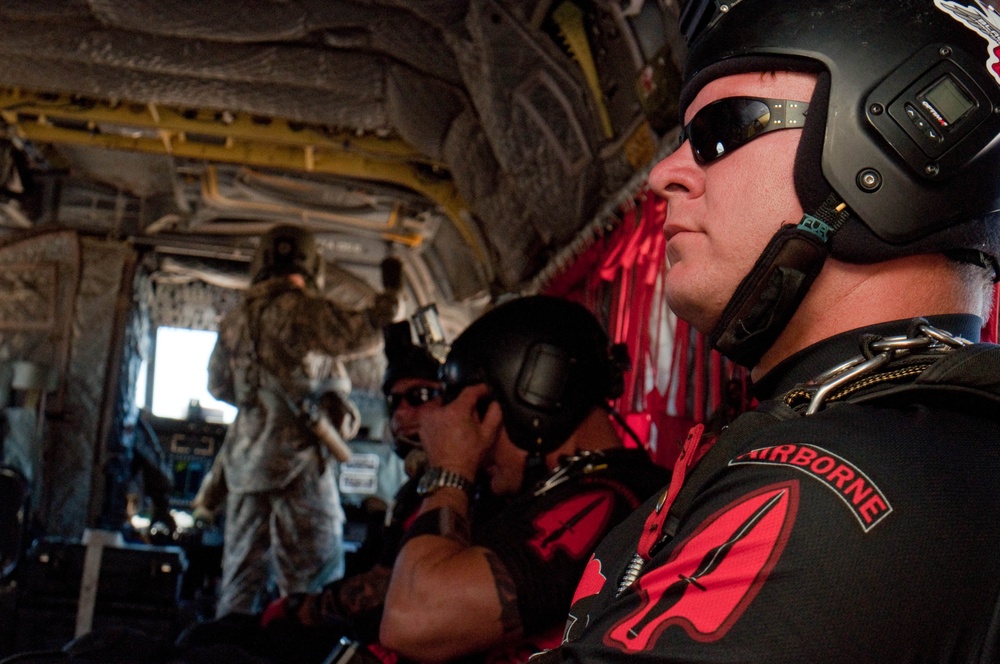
[(442, 522)]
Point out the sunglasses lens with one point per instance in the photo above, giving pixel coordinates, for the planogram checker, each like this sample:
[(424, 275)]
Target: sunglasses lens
[(725, 125), (415, 396)]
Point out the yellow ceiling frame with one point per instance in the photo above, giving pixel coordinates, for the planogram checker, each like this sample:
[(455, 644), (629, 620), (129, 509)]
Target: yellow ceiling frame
[(237, 138), (390, 230)]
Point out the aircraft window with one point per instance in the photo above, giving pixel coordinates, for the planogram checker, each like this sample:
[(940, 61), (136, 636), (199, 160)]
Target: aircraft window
[(180, 376)]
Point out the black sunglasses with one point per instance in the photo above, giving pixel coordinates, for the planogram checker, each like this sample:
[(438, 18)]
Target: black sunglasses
[(732, 122), (415, 396)]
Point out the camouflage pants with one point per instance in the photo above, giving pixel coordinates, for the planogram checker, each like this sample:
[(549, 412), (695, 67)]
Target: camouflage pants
[(293, 536)]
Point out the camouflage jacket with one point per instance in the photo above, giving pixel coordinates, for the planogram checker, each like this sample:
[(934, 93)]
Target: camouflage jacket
[(282, 341)]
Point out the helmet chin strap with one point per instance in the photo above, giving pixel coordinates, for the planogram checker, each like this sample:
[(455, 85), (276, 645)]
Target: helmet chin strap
[(769, 295), (535, 470)]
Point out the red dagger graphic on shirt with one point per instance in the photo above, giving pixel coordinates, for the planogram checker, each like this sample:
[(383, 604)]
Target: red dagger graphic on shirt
[(557, 528), (715, 573)]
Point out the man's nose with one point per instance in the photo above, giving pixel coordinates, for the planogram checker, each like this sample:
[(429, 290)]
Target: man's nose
[(677, 173)]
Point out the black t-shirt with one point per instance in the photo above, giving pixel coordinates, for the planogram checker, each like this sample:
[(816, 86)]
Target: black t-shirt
[(862, 533)]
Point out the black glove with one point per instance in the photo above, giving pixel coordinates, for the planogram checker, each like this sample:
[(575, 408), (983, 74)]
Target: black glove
[(392, 273)]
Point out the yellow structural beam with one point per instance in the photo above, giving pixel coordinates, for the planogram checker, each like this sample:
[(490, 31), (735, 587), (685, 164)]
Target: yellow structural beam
[(569, 18), (237, 138), (388, 231)]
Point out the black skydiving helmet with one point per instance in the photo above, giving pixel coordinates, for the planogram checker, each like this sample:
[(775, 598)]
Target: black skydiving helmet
[(898, 154), (547, 361)]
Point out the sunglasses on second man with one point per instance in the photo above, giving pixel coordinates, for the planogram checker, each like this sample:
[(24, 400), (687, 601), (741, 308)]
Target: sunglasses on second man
[(414, 397), (730, 123)]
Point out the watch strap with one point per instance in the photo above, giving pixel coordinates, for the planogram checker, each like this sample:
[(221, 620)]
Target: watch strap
[(436, 477)]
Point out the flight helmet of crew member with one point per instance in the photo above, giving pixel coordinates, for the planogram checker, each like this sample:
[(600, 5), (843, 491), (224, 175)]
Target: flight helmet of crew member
[(284, 250), (548, 363), (899, 152)]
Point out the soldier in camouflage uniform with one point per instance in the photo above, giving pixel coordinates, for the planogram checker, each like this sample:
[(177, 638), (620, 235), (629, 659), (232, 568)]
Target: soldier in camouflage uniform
[(283, 512)]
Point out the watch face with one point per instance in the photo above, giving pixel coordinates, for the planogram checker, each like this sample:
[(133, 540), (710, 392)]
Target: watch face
[(429, 478)]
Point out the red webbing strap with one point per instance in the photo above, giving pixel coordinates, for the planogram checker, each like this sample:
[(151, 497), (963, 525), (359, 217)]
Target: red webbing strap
[(636, 260), (658, 321), (575, 277), (653, 529), (989, 331), (648, 268), (616, 247)]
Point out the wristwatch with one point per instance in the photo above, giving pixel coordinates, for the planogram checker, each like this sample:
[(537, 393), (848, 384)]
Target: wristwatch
[(436, 477)]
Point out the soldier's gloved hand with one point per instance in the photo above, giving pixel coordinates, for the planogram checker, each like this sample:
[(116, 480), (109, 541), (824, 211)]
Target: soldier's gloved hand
[(392, 273)]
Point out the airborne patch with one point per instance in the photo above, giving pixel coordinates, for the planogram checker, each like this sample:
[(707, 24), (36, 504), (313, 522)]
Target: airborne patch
[(868, 504)]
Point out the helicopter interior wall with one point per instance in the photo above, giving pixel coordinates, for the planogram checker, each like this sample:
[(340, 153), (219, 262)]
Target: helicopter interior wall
[(69, 326)]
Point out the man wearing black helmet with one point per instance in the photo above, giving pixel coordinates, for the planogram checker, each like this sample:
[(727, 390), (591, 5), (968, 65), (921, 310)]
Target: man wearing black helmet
[(527, 386), (353, 605), (848, 262), (280, 346)]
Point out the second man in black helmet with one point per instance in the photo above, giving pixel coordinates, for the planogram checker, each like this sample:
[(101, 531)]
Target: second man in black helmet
[(527, 386)]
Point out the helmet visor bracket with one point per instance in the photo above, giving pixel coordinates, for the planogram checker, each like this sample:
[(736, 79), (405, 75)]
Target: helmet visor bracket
[(730, 123)]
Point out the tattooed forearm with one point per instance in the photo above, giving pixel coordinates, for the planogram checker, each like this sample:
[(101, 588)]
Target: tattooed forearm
[(362, 592), (510, 617)]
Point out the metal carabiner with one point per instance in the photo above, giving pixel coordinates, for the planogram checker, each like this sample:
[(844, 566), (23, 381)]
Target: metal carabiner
[(859, 369), (930, 340)]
